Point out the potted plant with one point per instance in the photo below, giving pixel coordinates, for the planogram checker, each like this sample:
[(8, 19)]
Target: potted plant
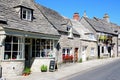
[(44, 68), (26, 71)]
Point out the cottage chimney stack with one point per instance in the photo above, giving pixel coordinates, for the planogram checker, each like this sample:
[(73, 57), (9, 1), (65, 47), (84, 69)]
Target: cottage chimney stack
[(84, 15), (76, 16), (106, 18)]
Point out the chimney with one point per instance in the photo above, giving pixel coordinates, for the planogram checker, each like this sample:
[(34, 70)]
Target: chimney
[(84, 15), (106, 18), (76, 16)]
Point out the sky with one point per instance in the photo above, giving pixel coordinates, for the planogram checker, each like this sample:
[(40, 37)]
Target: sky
[(93, 8)]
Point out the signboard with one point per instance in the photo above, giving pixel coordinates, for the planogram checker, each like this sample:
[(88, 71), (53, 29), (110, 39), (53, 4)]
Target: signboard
[(52, 66)]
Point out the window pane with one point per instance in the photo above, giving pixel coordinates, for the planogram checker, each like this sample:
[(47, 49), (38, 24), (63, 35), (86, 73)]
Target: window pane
[(8, 39), (15, 39), (37, 54), (24, 14), (63, 51), (7, 47), (14, 55), (7, 55), (29, 15), (15, 47)]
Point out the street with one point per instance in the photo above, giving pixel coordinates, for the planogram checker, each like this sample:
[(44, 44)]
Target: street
[(107, 72)]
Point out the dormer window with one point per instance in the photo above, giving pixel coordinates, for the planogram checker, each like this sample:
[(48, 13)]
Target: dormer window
[(70, 30), (26, 14)]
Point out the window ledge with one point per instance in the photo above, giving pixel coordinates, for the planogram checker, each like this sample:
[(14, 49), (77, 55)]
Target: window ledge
[(13, 60), (45, 58)]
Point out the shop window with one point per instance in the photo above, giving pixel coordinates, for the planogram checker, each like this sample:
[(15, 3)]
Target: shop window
[(13, 48), (42, 48)]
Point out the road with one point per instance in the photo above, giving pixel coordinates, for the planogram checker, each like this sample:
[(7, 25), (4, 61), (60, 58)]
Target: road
[(107, 72)]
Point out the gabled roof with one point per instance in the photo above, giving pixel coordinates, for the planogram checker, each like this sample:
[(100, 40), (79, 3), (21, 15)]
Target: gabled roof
[(100, 25), (46, 21), (59, 22), (39, 24), (82, 30)]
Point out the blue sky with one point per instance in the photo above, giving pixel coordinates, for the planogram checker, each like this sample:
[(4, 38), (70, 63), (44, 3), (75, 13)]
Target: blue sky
[(93, 8)]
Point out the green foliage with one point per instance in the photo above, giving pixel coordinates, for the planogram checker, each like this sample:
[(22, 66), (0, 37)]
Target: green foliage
[(27, 70), (80, 61), (44, 68)]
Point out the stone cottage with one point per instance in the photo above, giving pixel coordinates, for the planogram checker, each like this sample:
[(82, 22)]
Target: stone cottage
[(88, 41), (107, 37)]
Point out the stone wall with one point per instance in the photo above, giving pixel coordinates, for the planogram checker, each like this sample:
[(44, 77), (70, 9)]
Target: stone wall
[(69, 43), (89, 44), (38, 62), (12, 67)]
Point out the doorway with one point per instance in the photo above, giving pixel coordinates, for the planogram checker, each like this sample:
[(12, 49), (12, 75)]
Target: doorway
[(27, 55), (76, 55), (98, 51)]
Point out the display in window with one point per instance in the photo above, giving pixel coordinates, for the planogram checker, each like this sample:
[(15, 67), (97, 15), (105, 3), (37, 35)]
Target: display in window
[(7, 47), (15, 39)]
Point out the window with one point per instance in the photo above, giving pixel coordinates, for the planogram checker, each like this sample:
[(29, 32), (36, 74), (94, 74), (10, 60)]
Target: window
[(13, 47), (91, 36), (84, 48), (26, 14), (42, 48), (66, 51), (69, 29)]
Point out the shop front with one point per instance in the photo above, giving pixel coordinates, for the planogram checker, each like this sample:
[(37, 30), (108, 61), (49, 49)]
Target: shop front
[(20, 51)]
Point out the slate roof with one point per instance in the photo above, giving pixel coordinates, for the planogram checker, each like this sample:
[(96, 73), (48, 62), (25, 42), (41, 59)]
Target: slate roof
[(82, 30), (100, 25), (59, 22), (46, 21)]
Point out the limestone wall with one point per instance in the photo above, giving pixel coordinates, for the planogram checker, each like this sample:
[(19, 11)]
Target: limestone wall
[(12, 67), (38, 62)]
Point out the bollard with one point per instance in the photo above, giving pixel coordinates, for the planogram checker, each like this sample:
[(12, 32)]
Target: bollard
[(0, 71)]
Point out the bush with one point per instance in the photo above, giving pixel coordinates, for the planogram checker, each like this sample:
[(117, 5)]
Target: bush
[(44, 68)]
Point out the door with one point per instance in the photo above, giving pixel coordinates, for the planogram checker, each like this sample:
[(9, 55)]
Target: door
[(27, 55), (98, 51), (76, 55)]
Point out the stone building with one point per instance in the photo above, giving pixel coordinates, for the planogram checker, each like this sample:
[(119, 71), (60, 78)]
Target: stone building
[(88, 42), (107, 38), (31, 35)]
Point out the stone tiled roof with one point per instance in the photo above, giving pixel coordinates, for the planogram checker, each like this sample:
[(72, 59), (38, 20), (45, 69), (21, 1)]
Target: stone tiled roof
[(100, 25), (46, 21), (58, 21), (39, 24)]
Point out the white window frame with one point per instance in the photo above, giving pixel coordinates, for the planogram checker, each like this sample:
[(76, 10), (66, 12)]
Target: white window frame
[(28, 14), (70, 32), (43, 48), (67, 51), (19, 51)]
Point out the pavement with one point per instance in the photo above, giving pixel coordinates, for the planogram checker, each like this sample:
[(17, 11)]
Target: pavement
[(65, 70)]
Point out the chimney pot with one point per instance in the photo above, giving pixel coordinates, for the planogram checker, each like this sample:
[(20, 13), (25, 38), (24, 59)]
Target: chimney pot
[(76, 16), (106, 18)]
